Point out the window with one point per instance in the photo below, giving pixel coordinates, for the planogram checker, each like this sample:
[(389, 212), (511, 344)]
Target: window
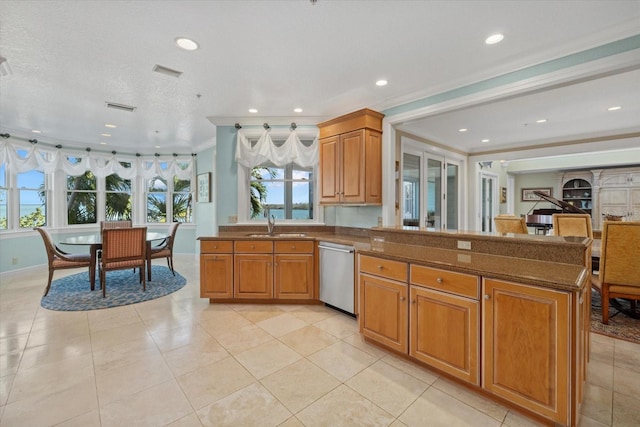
[(287, 191), (156, 200), (182, 207), (178, 191), (118, 198), (4, 193), (31, 195), (81, 198)]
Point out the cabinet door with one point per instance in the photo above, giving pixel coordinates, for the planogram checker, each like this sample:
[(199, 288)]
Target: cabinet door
[(373, 167), (526, 346), (353, 167), (444, 332), (329, 170), (253, 276), (216, 276), (383, 311), (294, 276), (614, 201)]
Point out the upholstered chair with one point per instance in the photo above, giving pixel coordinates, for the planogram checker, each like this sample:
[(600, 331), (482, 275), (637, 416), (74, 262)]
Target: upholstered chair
[(572, 225), (511, 224), (123, 248), (58, 259), (619, 275), (165, 249)]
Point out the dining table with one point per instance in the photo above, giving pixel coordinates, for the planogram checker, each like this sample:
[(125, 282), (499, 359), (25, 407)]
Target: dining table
[(94, 241)]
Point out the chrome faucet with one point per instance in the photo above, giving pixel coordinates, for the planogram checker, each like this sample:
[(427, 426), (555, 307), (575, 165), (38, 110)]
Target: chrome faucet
[(271, 220)]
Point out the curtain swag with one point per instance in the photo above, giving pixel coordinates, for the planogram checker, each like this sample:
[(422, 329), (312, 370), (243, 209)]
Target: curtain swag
[(291, 151), (101, 165)]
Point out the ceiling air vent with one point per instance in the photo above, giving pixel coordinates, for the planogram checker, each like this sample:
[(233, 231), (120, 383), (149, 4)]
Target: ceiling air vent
[(167, 71), (122, 107)]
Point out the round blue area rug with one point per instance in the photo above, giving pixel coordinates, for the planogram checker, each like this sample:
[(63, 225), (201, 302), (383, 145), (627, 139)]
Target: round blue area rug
[(73, 293)]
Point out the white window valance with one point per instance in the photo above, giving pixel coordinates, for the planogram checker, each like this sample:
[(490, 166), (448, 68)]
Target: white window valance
[(265, 150), (100, 164)]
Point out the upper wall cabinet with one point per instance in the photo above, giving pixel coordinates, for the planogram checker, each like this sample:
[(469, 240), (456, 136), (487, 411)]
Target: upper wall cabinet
[(351, 159)]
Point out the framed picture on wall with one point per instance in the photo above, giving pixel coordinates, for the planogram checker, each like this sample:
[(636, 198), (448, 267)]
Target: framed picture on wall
[(529, 196), (503, 194), (204, 182)]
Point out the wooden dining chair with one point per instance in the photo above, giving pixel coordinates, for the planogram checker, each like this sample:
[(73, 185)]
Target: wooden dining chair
[(510, 224), (123, 248), (570, 224), (116, 224), (619, 274), (165, 249), (58, 259)]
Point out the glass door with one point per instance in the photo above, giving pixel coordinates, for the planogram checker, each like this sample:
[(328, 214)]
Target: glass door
[(489, 201), (433, 193), (411, 189)]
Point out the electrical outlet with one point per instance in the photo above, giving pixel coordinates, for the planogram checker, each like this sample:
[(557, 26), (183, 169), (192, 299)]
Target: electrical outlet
[(379, 221), (463, 244), (233, 219), (14, 261)]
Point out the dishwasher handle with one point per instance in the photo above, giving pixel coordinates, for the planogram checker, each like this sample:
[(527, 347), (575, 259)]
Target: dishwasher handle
[(329, 248)]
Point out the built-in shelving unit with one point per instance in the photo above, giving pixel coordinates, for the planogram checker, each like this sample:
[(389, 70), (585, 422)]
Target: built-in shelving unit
[(577, 192)]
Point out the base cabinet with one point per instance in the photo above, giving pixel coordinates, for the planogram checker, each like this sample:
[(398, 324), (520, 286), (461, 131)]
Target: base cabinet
[(258, 270), (445, 332), (526, 347), (384, 311), (253, 276), (216, 269)]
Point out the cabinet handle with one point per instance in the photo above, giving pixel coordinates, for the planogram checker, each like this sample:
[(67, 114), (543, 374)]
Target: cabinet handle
[(487, 296), (439, 280), (402, 298), (413, 301), (380, 267), (253, 246), (215, 247), (293, 247)]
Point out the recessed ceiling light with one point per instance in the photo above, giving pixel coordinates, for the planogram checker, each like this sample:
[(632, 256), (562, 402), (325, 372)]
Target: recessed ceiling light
[(186, 44), (485, 140), (109, 125), (297, 110), (36, 131), (463, 130), (616, 108), (105, 134), (381, 83), (494, 38), (541, 121), (253, 110), (156, 146), (103, 143)]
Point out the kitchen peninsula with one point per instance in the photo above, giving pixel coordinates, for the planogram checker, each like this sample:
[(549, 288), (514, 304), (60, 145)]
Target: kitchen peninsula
[(506, 314)]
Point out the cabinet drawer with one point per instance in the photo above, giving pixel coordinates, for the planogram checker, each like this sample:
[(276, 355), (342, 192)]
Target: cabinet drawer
[(253, 246), (293, 247), (383, 267), (466, 285), (216, 247)]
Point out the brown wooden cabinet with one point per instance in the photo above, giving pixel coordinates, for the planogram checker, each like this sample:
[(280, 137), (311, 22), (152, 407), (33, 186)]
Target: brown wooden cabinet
[(265, 269), (216, 269), (444, 321), (253, 269), (294, 270), (351, 159), (383, 302), (526, 334)]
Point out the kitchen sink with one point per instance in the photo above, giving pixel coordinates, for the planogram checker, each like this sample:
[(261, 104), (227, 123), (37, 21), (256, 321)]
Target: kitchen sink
[(267, 235)]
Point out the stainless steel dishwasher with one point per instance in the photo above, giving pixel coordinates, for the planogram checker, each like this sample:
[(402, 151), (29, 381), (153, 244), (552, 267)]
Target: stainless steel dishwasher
[(337, 275)]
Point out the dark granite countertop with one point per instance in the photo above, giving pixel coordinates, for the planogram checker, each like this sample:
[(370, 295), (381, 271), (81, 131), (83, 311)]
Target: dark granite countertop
[(566, 277)]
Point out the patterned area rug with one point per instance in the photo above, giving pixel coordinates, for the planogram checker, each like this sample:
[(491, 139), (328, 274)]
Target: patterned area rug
[(620, 325), (73, 293)]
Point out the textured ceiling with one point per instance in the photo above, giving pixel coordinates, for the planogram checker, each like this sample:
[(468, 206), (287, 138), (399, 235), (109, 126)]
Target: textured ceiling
[(67, 58)]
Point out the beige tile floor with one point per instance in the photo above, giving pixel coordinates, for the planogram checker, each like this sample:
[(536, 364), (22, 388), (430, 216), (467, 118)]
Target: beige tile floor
[(180, 361)]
